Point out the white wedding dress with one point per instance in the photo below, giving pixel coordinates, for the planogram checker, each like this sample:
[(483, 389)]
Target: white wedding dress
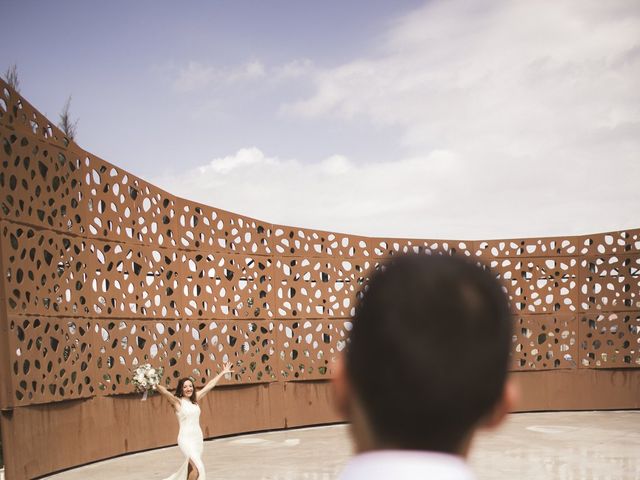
[(190, 440)]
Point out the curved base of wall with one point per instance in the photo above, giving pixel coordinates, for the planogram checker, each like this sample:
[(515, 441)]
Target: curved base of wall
[(584, 389), (72, 433), (66, 434)]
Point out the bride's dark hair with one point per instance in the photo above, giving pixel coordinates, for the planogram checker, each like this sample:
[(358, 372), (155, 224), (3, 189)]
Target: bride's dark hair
[(180, 388)]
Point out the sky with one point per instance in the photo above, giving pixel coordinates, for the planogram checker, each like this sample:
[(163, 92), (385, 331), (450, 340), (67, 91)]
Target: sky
[(439, 119)]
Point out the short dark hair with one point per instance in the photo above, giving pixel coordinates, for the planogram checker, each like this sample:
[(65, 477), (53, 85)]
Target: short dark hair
[(180, 389), (429, 350)]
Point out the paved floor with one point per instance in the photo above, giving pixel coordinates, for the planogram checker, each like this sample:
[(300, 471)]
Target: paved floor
[(558, 445)]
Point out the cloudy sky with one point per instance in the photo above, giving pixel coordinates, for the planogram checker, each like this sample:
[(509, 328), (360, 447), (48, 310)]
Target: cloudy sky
[(430, 119)]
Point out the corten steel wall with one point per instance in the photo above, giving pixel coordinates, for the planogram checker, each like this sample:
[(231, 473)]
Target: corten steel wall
[(102, 271)]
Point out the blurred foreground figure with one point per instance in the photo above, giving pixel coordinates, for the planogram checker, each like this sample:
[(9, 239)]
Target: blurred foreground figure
[(426, 367)]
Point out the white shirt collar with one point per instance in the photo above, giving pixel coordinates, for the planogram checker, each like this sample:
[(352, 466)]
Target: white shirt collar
[(406, 464)]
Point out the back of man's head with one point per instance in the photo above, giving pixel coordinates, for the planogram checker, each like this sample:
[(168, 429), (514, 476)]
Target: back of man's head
[(428, 352)]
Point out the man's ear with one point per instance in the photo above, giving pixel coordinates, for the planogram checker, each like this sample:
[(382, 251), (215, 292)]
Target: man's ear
[(341, 387), (507, 403)]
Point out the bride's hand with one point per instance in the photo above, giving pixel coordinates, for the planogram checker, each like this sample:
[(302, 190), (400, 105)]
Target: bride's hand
[(228, 368)]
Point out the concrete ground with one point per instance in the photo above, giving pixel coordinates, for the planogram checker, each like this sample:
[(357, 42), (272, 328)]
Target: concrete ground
[(555, 445)]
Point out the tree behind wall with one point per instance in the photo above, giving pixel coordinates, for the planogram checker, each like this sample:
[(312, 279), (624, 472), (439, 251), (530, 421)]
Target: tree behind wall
[(68, 126), (11, 77)]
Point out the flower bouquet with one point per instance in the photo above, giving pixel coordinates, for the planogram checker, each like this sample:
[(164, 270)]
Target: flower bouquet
[(146, 378)]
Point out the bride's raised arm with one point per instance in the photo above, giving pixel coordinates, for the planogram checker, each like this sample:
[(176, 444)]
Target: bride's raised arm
[(175, 401), (212, 383)]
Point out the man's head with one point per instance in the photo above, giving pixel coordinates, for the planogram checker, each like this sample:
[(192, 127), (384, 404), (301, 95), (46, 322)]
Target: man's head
[(428, 354)]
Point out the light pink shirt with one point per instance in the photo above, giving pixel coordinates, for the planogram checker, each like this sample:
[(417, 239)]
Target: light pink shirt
[(406, 464)]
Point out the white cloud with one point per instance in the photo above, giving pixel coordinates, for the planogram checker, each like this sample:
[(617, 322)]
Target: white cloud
[(538, 101), (336, 165), (421, 197), (294, 69), (245, 158), (196, 76), (331, 194), (253, 69), (516, 119), (515, 74)]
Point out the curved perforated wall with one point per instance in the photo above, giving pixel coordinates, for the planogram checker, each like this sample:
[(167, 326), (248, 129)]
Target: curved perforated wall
[(103, 271)]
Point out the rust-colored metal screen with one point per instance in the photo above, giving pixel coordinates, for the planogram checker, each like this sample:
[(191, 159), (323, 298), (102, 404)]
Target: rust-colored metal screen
[(103, 271)]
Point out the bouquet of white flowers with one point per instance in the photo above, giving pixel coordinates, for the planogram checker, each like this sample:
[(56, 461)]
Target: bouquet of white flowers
[(146, 378)]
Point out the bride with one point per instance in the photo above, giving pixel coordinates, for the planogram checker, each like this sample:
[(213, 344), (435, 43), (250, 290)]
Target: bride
[(190, 440)]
